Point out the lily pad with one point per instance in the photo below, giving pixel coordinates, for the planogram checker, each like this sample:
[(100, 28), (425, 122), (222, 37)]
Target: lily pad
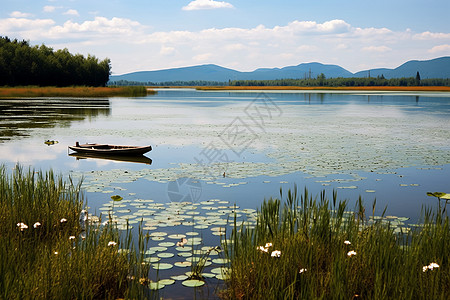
[(155, 285), (165, 255), (193, 283), (183, 264), (220, 260), (166, 281), (179, 277), (162, 266)]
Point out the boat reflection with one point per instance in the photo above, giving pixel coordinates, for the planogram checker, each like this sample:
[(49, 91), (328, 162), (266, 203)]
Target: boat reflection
[(134, 159)]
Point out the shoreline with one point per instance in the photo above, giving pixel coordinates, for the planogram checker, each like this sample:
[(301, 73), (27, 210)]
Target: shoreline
[(358, 88)]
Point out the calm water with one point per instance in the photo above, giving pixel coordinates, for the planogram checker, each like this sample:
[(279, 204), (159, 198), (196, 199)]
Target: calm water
[(239, 148)]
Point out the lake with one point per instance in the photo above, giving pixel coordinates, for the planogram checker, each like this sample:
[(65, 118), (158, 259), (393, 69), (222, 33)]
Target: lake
[(219, 153)]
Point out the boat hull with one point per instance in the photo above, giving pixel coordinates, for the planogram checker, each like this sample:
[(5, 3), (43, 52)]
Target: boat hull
[(102, 149)]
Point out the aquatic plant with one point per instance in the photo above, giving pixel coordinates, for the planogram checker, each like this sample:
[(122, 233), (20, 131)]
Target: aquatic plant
[(328, 252), (45, 253)]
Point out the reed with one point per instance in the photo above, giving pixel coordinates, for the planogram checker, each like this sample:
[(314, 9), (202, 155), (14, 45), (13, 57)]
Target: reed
[(84, 92), (46, 254), (313, 248)]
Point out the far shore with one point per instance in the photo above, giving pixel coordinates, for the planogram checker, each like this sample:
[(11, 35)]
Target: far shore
[(355, 88)]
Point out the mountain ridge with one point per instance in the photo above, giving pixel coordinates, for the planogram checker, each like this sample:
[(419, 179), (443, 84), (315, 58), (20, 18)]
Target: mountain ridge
[(433, 68)]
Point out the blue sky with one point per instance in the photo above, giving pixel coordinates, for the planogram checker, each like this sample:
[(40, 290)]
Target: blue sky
[(244, 35)]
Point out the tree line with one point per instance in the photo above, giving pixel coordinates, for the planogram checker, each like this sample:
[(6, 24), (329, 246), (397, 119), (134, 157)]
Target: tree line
[(321, 80), (23, 64), (169, 83)]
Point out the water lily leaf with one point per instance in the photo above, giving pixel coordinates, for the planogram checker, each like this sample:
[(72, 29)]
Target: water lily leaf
[(165, 255), (176, 236), (166, 281), (437, 195), (220, 260), (184, 254), (158, 248), (179, 277), (162, 266), (193, 283), (155, 285), (183, 264), (166, 244), (117, 198), (152, 259), (220, 270), (221, 276), (208, 275)]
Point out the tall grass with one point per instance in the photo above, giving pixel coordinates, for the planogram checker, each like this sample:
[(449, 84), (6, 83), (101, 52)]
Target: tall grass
[(46, 254), (77, 91), (326, 252)]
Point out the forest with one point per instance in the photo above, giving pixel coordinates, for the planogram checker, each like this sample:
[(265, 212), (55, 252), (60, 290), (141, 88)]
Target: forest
[(22, 64), (321, 80)]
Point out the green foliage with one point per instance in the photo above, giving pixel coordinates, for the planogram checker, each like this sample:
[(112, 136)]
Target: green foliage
[(46, 254), (309, 248), (23, 64), (345, 82)]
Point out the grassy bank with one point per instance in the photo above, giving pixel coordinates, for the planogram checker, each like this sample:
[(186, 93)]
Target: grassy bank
[(308, 248), (356, 88), (45, 251), (31, 92)]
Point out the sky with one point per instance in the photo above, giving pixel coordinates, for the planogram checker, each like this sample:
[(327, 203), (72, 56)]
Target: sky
[(145, 35)]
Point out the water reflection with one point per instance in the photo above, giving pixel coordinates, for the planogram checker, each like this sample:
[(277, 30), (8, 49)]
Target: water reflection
[(133, 159), (21, 115)]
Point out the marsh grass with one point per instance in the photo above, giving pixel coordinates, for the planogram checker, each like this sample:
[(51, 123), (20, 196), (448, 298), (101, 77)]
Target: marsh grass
[(46, 254), (327, 252), (77, 91)]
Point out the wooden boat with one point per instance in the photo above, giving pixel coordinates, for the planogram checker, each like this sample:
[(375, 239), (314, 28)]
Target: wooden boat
[(105, 149)]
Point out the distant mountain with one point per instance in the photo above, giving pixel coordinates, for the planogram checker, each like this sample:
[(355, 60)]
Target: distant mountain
[(435, 68)]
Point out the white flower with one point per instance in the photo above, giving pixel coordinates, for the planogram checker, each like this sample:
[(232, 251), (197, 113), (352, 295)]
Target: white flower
[(268, 245), (37, 224), (276, 253), (261, 248), (182, 242), (431, 266), (22, 226), (303, 270), (63, 220), (56, 252), (351, 253), (72, 237), (112, 243), (347, 242)]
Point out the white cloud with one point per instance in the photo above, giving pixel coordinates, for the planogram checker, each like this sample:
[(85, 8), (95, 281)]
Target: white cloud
[(444, 49), (18, 14), (203, 57), (307, 48), (431, 35), (132, 46), (71, 12), (207, 4), (380, 49), (100, 28), (166, 50), (12, 26), (49, 8)]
